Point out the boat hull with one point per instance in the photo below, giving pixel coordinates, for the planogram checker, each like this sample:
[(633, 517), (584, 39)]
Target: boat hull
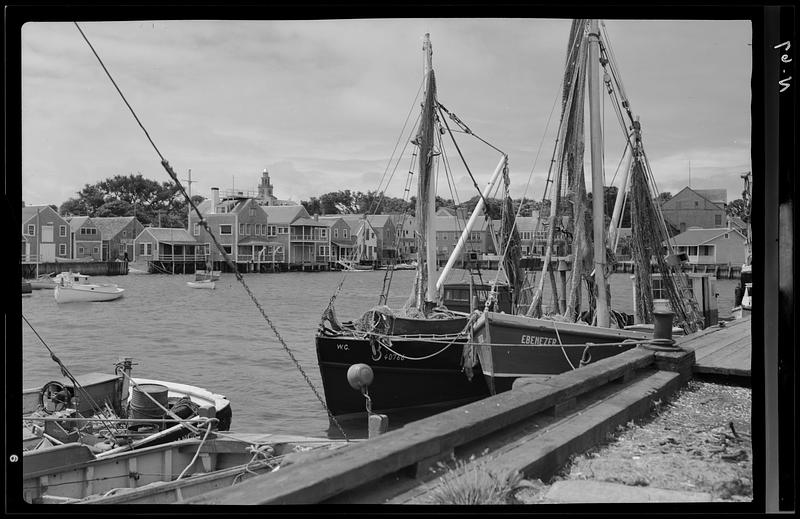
[(87, 293), (207, 285), (512, 346), (399, 384), (42, 284)]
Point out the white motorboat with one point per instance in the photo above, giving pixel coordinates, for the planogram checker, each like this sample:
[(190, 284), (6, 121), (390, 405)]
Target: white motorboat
[(204, 284), (72, 287), (745, 308)]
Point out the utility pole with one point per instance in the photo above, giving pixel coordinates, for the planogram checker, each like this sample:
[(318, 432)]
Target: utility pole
[(189, 183)]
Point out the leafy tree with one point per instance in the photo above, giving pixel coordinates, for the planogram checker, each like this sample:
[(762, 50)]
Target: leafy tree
[(738, 208), (663, 197)]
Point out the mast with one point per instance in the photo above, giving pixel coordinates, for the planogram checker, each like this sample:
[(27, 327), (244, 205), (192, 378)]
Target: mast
[(598, 219), (425, 289)]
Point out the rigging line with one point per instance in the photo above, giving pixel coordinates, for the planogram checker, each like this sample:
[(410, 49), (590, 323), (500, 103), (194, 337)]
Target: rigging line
[(224, 254), (65, 371), (397, 163), (466, 166), (466, 129)]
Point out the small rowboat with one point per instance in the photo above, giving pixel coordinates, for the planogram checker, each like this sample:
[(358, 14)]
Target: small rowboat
[(206, 284)]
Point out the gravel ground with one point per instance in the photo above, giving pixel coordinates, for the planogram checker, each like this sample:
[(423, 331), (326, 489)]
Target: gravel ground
[(699, 441)]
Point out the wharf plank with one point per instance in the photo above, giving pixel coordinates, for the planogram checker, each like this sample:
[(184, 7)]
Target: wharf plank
[(541, 453), (351, 466), (725, 351)]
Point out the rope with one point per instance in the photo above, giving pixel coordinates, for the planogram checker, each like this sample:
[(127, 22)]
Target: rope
[(66, 373), (197, 453), (227, 258)]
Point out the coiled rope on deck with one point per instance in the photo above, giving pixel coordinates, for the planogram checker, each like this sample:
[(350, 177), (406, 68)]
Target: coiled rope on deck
[(205, 225)]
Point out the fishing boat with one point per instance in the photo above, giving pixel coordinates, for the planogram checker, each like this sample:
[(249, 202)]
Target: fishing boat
[(416, 353), (73, 287), (534, 343), (116, 412), (206, 284), (160, 474)]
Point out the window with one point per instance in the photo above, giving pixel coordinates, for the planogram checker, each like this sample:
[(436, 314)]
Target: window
[(344, 233), (283, 229), (726, 235), (96, 250), (271, 230), (323, 250), (371, 235), (146, 249), (696, 203), (693, 250), (62, 230), (241, 229), (258, 229), (196, 229), (252, 211), (62, 249), (526, 235), (31, 230), (226, 229), (336, 233), (80, 250)]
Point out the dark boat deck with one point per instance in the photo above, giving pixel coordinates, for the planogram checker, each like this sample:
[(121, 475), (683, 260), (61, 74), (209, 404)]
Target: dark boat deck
[(723, 351)]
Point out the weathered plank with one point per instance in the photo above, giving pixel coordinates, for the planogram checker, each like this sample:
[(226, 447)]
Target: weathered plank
[(541, 453), (352, 466)]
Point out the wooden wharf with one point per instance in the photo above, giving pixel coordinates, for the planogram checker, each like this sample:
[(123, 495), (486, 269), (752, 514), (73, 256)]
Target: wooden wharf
[(534, 429), (725, 352)]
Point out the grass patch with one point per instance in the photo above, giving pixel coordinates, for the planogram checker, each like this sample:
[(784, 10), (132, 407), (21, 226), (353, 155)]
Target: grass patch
[(470, 482)]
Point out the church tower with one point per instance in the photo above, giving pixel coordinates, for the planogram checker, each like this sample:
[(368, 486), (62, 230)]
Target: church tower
[(265, 189)]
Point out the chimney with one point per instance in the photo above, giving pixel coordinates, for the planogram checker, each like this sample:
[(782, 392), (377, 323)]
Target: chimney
[(214, 200), (316, 217)]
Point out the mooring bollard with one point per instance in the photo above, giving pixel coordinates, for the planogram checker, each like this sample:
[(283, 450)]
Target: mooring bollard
[(662, 331), (360, 376)]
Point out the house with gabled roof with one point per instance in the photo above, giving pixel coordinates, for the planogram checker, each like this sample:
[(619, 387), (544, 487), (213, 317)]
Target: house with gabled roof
[(167, 244), (305, 239), (117, 234), (711, 246), (361, 230), (239, 224), (340, 239), (405, 226), (45, 235), (85, 239), (696, 208)]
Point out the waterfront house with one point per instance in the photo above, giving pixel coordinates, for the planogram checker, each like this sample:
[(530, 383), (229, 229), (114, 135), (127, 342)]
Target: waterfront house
[(527, 228), (240, 225), (385, 239), (449, 230), (45, 235), (340, 239), (359, 225), (167, 245), (117, 234), (85, 239), (280, 232), (696, 208), (405, 230), (309, 243), (711, 246)]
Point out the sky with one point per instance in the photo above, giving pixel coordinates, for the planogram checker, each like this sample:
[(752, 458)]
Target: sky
[(322, 104)]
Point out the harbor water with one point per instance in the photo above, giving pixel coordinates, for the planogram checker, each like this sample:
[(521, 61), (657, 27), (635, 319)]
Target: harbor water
[(219, 340)]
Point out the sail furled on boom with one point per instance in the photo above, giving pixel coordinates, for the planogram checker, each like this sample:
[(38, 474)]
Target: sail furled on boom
[(569, 213), (426, 195)]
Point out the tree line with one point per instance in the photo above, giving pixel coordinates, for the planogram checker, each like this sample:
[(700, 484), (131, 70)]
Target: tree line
[(162, 204)]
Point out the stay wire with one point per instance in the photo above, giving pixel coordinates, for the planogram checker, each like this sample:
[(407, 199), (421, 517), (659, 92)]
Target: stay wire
[(227, 258), (65, 371)]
